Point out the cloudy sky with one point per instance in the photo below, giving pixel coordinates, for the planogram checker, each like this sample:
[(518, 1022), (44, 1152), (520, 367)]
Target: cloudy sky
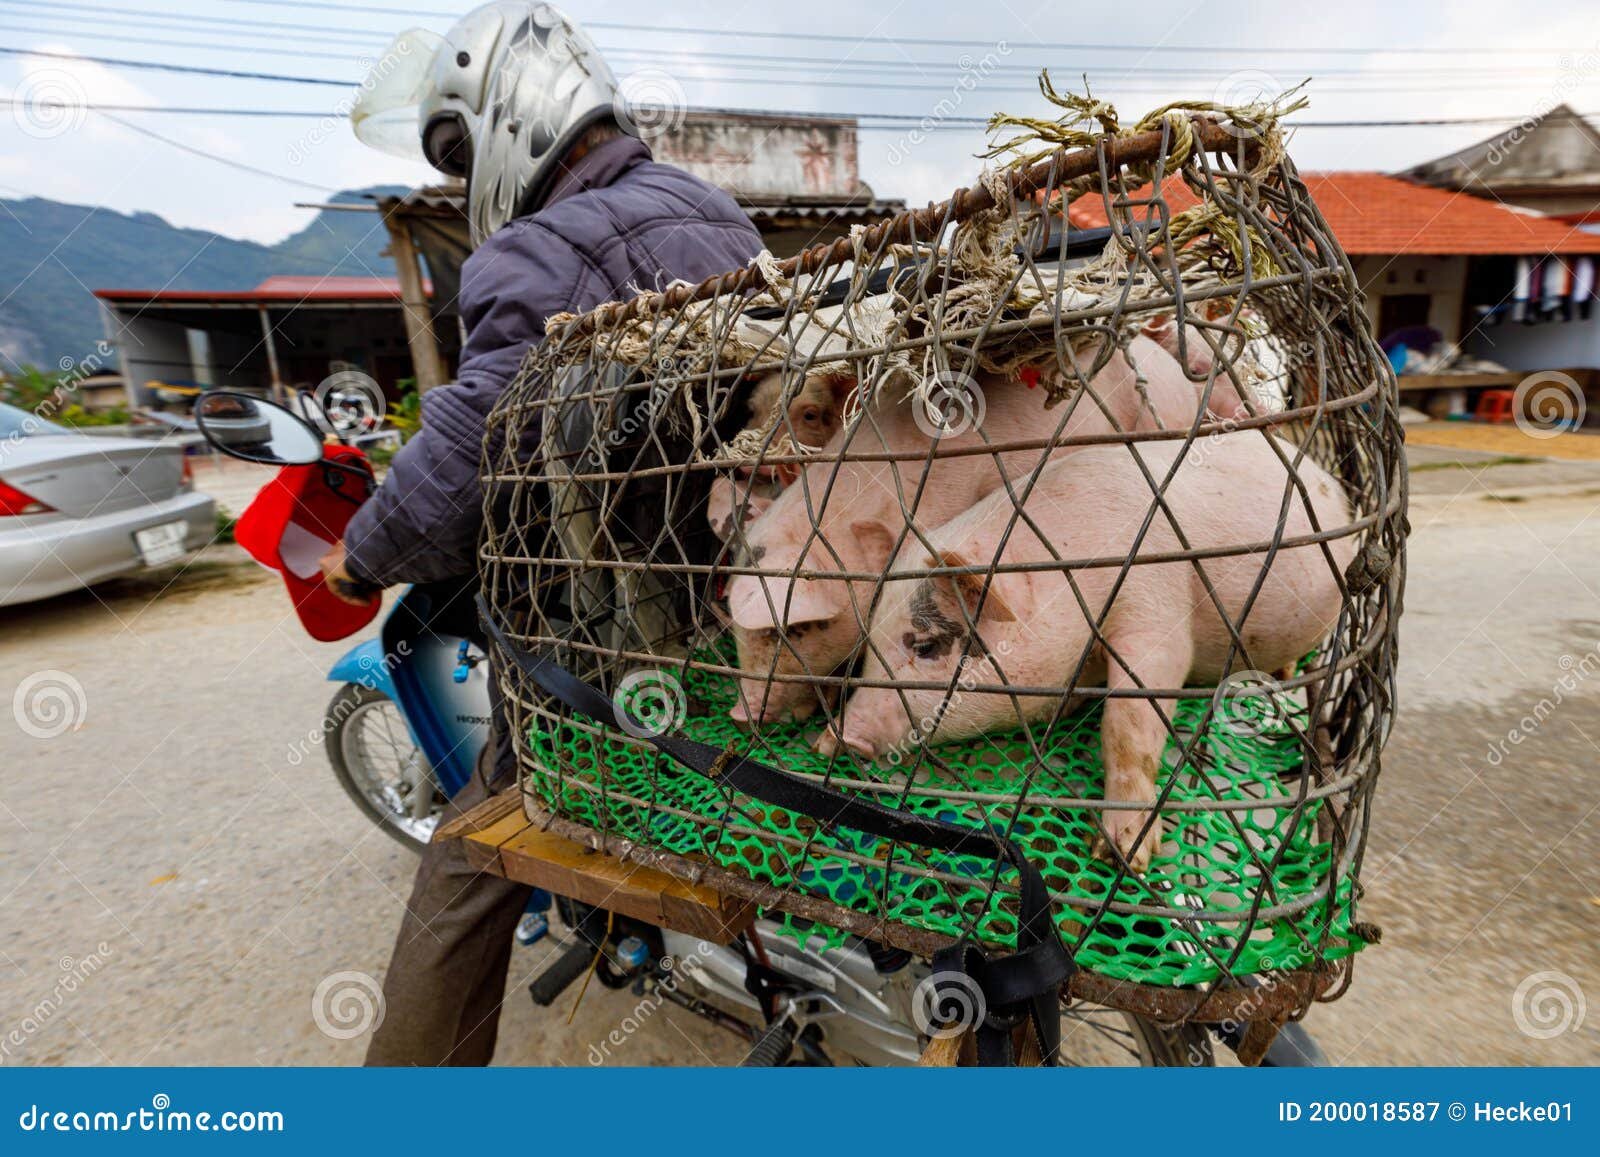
[(1365, 60)]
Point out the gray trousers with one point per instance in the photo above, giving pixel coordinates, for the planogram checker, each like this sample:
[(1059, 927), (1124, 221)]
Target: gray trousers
[(447, 976)]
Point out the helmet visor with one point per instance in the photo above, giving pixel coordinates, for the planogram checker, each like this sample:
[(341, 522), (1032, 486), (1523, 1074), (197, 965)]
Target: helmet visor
[(385, 112)]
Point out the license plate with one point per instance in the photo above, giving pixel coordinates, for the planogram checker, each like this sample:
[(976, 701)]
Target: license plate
[(159, 544)]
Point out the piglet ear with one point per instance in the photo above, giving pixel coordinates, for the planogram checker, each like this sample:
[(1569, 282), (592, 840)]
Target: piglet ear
[(760, 604), (755, 507), (1163, 330), (876, 542), (842, 387), (747, 601), (731, 506), (1160, 326), (968, 589)]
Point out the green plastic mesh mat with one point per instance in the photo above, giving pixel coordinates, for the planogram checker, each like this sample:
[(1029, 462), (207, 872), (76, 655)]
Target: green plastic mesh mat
[(1224, 861)]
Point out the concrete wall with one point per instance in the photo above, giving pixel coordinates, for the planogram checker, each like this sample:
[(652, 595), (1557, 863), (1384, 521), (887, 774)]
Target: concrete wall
[(1443, 278), (766, 157), (1551, 345), (150, 349)]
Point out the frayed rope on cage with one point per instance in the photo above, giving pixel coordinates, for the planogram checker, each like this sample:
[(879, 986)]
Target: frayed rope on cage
[(987, 277)]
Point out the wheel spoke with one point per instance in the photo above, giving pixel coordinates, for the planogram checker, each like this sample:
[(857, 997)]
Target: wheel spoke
[(387, 768)]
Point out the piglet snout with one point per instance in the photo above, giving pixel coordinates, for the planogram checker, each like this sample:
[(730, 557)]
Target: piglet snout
[(764, 703), (831, 743)]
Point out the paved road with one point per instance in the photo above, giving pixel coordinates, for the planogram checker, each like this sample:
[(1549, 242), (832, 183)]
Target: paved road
[(173, 889)]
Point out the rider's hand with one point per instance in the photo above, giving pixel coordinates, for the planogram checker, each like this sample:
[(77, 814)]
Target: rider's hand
[(338, 579)]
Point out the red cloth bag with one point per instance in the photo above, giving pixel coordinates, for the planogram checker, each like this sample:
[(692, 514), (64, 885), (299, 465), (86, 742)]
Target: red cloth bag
[(294, 520)]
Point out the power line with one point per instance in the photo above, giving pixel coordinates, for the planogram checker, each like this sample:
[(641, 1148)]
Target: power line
[(272, 31), (177, 110), (168, 42), (192, 69), (866, 121), (191, 18), (941, 42), (231, 163), (764, 78)]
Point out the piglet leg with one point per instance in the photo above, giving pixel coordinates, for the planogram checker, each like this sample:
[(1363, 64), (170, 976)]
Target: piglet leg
[(1159, 649)]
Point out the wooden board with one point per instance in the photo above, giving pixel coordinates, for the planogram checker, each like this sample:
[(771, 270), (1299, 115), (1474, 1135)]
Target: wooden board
[(499, 839), (1411, 382), (1583, 376)]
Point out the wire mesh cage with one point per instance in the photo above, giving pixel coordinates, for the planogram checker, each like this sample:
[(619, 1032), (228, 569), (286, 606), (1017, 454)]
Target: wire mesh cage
[(1091, 539)]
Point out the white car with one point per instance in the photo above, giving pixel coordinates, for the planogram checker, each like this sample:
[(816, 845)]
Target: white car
[(76, 510)]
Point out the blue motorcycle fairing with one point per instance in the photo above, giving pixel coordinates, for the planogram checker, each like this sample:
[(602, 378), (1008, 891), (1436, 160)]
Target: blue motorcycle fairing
[(413, 666), (364, 664)]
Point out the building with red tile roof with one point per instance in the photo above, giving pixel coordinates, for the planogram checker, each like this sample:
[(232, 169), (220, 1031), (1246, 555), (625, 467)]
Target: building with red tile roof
[(1374, 214), (1444, 259)]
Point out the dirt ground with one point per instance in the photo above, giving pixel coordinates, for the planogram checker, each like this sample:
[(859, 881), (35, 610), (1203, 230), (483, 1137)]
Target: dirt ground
[(173, 888)]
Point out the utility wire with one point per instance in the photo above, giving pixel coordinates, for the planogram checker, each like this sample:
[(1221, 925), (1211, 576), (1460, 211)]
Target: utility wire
[(272, 31), (376, 34), (942, 42), (57, 105), (168, 42), (141, 130), (230, 162), (764, 77), (191, 69), (865, 121)]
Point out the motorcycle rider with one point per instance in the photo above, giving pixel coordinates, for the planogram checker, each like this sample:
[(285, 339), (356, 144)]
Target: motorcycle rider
[(568, 209)]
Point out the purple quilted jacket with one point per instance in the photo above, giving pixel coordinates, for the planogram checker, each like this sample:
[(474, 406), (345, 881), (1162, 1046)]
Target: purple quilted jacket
[(615, 225)]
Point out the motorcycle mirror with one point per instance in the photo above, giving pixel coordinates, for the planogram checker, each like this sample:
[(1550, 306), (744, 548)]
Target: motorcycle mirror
[(254, 430)]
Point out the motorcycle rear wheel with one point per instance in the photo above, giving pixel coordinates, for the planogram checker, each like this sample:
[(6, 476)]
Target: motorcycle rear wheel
[(1094, 1035), (380, 767)]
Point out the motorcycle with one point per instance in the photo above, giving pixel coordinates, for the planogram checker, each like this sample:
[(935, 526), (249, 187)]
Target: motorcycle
[(413, 711), (411, 714)]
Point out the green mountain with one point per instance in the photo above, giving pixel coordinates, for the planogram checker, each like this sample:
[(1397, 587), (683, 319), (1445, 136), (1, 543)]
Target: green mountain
[(53, 254)]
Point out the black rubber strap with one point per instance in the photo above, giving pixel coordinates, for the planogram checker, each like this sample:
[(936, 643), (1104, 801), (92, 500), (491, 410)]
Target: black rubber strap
[(1025, 983)]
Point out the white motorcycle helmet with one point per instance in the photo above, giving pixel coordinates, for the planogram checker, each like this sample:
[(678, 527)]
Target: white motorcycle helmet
[(498, 100)]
